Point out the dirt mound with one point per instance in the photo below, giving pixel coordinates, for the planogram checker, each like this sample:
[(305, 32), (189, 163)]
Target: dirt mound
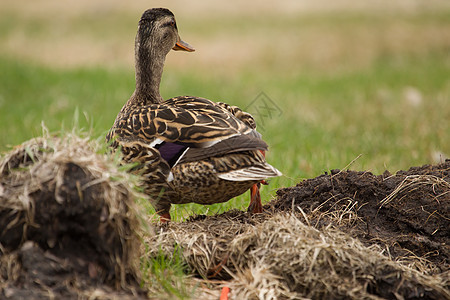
[(341, 235), (67, 228), (408, 213), (280, 257)]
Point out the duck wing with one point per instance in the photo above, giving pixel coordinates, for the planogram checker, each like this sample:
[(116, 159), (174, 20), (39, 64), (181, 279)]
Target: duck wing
[(186, 129)]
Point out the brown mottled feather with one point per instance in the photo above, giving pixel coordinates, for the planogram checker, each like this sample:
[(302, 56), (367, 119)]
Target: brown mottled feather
[(185, 119)]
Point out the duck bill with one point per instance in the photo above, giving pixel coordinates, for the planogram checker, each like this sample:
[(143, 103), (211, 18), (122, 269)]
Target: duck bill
[(183, 46)]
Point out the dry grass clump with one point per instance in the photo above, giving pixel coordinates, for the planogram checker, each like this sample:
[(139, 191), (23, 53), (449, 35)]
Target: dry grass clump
[(205, 242), (411, 183), (71, 211), (280, 257), (323, 264)]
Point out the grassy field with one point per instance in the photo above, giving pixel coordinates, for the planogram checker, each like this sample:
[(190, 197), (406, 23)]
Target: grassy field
[(335, 83), (329, 85)]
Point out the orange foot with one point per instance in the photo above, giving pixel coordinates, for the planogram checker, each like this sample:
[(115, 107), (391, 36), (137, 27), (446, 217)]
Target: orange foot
[(164, 218), (255, 206), (224, 293)]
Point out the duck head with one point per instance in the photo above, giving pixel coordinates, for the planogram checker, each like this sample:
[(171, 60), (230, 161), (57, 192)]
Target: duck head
[(158, 31)]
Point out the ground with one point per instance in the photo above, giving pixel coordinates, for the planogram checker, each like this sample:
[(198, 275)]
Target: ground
[(70, 229), (407, 213), (403, 217)]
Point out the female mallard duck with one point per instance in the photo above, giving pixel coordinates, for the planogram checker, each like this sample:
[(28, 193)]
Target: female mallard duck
[(189, 149)]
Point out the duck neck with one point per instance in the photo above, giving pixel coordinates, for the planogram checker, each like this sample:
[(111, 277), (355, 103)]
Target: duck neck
[(149, 69)]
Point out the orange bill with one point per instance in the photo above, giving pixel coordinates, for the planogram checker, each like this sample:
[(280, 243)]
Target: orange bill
[(183, 46)]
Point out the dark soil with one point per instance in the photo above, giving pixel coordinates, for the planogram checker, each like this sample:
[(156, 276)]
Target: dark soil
[(71, 224), (69, 247), (415, 222), (43, 275)]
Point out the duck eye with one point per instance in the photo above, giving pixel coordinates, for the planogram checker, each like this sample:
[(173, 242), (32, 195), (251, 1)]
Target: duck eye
[(170, 24)]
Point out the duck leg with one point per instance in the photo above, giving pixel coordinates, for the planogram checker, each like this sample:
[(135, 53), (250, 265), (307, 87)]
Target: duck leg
[(164, 218), (255, 205)]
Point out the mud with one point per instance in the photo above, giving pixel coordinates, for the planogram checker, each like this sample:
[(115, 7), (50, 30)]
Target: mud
[(408, 213)]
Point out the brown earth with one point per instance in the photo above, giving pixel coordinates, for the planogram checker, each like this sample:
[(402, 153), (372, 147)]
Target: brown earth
[(402, 220), (408, 213), (66, 231)]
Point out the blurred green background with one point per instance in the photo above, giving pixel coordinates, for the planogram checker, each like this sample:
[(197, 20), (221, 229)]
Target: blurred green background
[(343, 78)]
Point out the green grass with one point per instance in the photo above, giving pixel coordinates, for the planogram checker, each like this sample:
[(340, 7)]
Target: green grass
[(30, 94), (167, 276)]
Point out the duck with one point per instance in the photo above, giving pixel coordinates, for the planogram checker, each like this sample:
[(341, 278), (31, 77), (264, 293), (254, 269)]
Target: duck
[(186, 149)]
